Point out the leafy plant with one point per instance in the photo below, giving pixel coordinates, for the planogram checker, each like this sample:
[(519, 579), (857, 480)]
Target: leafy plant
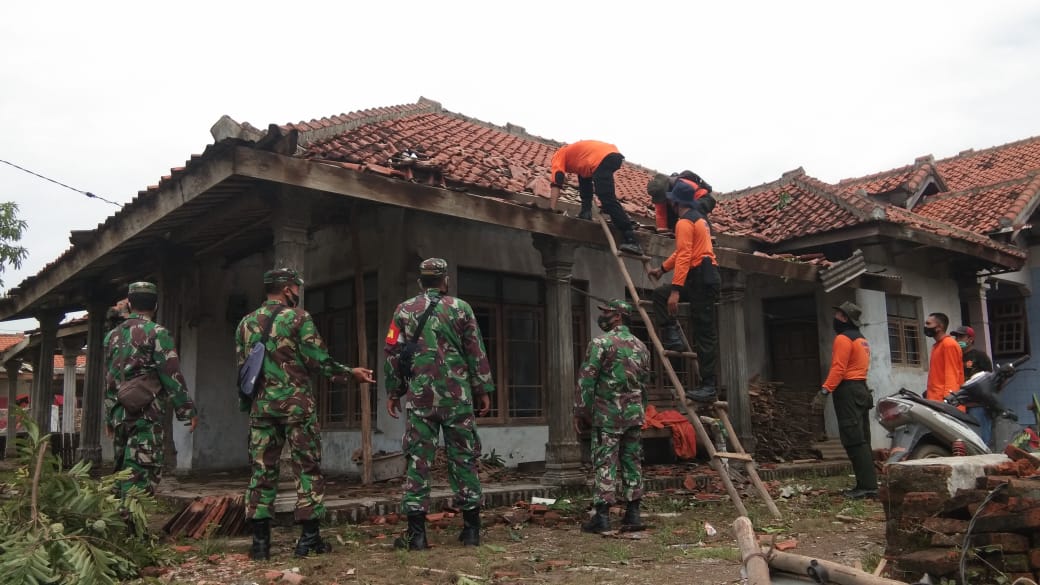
[(493, 459), (70, 528), (11, 229)]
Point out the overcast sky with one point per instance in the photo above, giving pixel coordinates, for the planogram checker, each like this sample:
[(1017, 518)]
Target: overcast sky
[(108, 99)]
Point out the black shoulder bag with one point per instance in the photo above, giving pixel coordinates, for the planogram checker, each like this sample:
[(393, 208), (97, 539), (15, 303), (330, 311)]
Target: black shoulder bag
[(249, 375), (409, 348)]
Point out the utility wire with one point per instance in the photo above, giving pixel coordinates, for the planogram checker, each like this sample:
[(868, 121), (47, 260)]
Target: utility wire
[(82, 192)]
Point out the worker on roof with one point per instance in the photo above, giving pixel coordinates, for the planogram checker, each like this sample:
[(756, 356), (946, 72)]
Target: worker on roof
[(595, 164), (695, 279)]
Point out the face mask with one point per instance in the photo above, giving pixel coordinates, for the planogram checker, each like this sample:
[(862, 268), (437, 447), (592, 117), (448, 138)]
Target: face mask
[(840, 326), (930, 331), (605, 322), (292, 299), (963, 344)]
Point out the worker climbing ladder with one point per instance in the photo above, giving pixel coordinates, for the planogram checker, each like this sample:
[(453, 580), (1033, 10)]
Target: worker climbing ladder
[(720, 409)]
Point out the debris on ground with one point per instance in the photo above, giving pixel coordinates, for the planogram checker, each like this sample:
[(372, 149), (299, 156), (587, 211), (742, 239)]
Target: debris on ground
[(209, 516)]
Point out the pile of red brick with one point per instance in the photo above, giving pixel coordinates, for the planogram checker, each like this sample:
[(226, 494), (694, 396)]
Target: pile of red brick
[(926, 524)]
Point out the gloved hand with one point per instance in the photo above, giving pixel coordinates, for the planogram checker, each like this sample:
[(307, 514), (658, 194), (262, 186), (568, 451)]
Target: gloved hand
[(819, 401)]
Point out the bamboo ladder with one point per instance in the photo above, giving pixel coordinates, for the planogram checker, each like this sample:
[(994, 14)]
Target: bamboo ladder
[(720, 409)]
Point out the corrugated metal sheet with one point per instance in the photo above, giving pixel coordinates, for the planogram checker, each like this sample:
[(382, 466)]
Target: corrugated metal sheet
[(844, 271)]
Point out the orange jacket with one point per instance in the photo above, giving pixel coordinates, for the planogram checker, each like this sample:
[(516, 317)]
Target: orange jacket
[(850, 360), (692, 244), (945, 369), (580, 158)]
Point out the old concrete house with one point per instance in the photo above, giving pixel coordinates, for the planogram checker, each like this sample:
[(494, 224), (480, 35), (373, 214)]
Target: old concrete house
[(356, 201)]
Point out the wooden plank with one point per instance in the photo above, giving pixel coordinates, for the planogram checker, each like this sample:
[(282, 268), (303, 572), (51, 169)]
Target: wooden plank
[(682, 354), (737, 456), (200, 176), (362, 340)]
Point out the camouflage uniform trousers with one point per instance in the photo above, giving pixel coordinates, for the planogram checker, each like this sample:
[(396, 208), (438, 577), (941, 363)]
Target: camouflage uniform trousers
[(138, 446), (463, 450), (617, 452), (267, 436)]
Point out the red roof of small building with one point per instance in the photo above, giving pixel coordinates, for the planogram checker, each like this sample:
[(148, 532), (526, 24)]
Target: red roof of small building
[(9, 339)]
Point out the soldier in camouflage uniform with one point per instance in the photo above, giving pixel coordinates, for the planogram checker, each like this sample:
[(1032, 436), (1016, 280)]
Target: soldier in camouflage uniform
[(611, 399), (283, 410), (140, 347), (450, 372)]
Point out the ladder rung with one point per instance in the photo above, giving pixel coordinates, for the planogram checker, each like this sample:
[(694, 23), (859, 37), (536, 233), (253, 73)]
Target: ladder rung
[(643, 258), (645, 303), (685, 354), (738, 456)]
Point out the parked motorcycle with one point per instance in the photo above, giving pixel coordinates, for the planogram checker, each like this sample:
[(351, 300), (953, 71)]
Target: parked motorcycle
[(922, 428)]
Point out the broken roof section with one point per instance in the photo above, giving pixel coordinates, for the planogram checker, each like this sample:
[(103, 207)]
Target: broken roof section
[(429, 149)]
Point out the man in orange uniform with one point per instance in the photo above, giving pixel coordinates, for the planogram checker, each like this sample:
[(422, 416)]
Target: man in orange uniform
[(847, 382), (946, 367), (696, 279), (595, 164)]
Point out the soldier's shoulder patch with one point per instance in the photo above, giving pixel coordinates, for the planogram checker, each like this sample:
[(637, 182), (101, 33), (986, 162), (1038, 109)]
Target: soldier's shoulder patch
[(393, 334)]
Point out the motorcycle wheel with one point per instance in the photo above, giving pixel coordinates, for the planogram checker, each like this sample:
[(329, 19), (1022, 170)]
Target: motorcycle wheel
[(929, 451)]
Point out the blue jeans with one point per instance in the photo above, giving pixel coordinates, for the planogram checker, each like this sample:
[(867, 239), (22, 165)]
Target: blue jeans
[(981, 414)]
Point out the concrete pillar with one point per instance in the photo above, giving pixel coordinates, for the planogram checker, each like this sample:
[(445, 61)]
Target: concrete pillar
[(70, 350), (12, 367), (733, 355), (562, 452), (93, 386), (290, 227), (974, 294), (43, 374)]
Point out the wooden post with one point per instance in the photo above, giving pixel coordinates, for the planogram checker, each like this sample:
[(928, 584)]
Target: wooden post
[(750, 553), (362, 340)]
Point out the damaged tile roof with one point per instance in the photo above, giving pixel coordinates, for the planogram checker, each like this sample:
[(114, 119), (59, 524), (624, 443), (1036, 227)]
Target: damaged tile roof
[(978, 192), (424, 143)]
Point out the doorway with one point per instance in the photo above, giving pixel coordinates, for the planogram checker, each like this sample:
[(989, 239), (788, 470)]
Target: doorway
[(794, 347)]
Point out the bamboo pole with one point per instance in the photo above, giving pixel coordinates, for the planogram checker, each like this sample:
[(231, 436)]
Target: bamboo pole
[(362, 341), (837, 573), (750, 553)]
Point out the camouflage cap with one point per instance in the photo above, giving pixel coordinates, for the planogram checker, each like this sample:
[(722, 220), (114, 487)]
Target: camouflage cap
[(142, 287), (282, 275), (619, 306), (433, 267)]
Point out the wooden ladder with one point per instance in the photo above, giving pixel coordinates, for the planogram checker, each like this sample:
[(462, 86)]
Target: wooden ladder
[(720, 409)]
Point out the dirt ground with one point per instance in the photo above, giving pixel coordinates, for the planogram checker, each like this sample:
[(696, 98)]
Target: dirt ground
[(678, 548)]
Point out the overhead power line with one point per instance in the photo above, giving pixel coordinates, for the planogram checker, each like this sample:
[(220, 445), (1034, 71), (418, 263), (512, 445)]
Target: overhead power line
[(80, 191)]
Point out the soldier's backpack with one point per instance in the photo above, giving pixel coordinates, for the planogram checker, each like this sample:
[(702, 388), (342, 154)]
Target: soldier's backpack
[(406, 354), (251, 370), (136, 393)]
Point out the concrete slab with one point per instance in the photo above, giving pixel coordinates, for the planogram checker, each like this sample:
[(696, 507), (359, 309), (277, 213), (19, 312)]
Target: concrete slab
[(963, 470)]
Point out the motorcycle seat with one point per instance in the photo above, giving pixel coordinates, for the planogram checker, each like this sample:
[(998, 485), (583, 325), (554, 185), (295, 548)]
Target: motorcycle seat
[(941, 407)]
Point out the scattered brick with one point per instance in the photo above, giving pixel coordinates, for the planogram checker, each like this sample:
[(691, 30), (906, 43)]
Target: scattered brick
[(945, 525), (1034, 558), (1008, 542), (788, 544)]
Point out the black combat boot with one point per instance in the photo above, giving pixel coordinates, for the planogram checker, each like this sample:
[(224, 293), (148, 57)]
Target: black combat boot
[(599, 523), (415, 538), (310, 540), (470, 535), (261, 549), (586, 211), (630, 244), (670, 338), (705, 392), (632, 522)]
